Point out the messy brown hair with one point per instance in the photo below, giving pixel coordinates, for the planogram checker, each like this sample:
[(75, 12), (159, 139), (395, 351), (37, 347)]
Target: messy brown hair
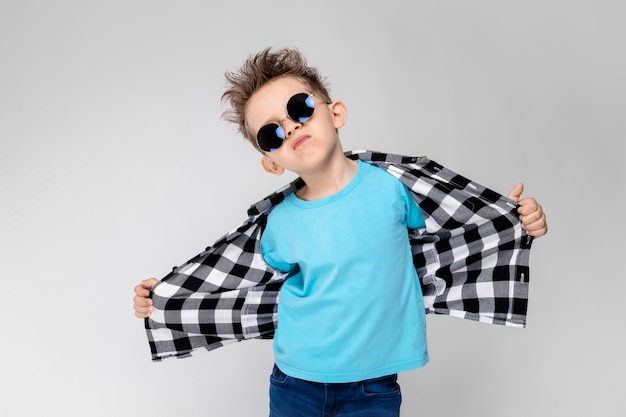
[(258, 70)]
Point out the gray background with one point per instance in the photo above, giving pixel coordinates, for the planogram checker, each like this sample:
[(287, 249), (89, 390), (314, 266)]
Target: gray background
[(115, 166)]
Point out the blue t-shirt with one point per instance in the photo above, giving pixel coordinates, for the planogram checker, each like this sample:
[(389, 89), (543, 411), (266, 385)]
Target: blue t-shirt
[(354, 310)]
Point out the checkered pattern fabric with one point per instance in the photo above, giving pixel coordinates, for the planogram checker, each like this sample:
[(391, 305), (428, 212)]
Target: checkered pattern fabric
[(472, 260)]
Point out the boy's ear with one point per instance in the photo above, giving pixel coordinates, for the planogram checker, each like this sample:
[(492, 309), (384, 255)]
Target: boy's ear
[(339, 112), (271, 166)]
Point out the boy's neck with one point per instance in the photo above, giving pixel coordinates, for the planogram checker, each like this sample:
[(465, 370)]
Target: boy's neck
[(331, 178)]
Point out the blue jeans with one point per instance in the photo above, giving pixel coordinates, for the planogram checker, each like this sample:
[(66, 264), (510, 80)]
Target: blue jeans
[(292, 397)]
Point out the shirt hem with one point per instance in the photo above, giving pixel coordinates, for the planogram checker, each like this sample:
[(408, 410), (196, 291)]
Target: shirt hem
[(352, 376)]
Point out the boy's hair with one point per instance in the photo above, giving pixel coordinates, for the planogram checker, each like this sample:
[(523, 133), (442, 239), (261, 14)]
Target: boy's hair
[(258, 70)]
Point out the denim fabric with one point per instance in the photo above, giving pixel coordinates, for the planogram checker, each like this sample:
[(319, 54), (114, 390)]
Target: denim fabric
[(292, 397)]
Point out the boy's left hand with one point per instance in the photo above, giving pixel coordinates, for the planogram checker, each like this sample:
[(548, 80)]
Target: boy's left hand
[(531, 214)]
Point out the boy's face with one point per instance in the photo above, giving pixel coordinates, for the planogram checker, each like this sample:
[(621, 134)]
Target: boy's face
[(306, 144)]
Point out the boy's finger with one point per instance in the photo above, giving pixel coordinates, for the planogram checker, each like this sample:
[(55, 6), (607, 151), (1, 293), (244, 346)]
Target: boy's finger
[(516, 192), (149, 283), (142, 301)]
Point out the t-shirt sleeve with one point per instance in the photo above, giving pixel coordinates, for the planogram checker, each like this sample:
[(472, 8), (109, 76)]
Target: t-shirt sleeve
[(414, 217), (269, 250)]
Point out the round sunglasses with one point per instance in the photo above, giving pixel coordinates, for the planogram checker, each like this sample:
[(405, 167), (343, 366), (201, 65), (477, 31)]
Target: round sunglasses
[(299, 109)]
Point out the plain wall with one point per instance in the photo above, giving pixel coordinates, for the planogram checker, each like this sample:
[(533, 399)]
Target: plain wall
[(115, 166)]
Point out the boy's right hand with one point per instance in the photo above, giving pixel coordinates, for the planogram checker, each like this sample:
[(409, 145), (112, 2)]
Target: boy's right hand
[(143, 304)]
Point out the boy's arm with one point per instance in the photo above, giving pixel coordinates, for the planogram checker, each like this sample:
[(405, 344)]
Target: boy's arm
[(531, 213)]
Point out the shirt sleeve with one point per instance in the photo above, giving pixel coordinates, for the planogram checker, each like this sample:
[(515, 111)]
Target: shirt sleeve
[(223, 294)]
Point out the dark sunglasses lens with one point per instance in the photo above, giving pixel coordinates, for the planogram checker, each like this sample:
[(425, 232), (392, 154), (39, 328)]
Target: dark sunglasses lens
[(300, 107), (270, 137)]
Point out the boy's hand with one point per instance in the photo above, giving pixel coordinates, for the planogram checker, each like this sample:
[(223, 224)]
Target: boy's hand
[(143, 304), (531, 214)]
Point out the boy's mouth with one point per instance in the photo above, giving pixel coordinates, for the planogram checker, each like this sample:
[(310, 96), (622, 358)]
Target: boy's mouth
[(300, 140)]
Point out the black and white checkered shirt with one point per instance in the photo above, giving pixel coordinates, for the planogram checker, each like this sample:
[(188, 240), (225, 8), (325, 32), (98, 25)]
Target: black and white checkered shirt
[(472, 261)]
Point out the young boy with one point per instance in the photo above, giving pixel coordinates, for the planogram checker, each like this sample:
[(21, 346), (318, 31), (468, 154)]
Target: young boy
[(343, 247)]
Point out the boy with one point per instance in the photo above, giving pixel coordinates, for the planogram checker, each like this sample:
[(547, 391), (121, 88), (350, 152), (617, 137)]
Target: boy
[(345, 246)]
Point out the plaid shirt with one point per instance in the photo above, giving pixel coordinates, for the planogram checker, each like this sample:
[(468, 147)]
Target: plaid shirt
[(471, 259)]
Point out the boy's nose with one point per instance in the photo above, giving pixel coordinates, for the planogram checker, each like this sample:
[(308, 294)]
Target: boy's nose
[(289, 126)]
